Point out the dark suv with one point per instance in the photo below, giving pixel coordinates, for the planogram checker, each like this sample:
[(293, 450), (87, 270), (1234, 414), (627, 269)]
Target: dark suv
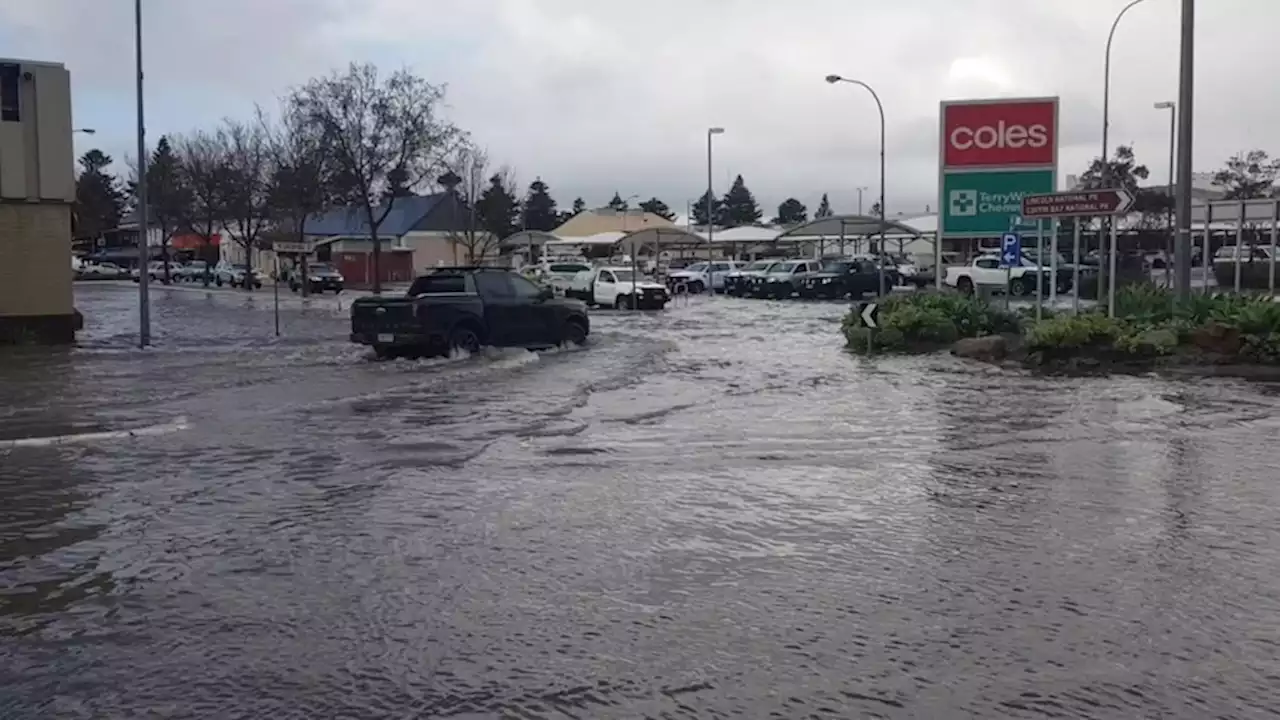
[(853, 277), (783, 279)]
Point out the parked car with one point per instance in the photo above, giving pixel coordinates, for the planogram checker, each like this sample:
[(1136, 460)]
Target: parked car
[(321, 277), (618, 287), (193, 271), (100, 271), (699, 276), (1021, 279), (559, 275), (783, 279), (155, 271), (237, 275), (737, 281), (852, 277), (465, 308)]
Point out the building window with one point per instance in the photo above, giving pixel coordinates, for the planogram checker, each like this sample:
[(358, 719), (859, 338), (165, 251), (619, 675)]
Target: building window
[(10, 92)]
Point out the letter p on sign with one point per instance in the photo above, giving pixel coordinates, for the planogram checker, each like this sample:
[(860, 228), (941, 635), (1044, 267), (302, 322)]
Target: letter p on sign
[(1000, 133)]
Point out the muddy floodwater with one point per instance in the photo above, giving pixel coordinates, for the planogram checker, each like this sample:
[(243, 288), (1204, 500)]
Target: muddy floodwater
[(708, 512)]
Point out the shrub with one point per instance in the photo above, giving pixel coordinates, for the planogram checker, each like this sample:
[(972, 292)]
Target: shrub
[(928, 319), (1071, 333), (1152, 342)]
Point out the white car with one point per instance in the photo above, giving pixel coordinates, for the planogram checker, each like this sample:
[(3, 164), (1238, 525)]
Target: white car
[(985, 270), (234, 275), (699, 276), (618, 287), (101, 271), (559, 276), (193, 271)]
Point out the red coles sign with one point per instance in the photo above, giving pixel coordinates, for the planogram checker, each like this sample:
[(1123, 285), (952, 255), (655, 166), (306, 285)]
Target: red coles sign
[(1000, 133)]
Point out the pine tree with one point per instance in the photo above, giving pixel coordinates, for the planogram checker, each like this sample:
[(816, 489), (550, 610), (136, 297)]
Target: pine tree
[(617, 204), (824, 209), (875, 209), (791, 212), (499, 208), (99, 197), (540, 208), (579, 205), (700, 210), (740, 205), (659, 208)]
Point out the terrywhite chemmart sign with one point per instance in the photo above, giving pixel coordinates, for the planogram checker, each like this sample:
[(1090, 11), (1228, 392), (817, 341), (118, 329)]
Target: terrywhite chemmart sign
[(982, 204), (993, 152)]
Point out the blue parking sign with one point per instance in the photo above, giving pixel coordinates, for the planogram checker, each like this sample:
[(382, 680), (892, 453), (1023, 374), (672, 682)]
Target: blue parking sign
[(1010, 250)]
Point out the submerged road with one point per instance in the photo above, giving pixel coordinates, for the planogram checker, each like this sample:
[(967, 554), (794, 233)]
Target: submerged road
[(708, 512)]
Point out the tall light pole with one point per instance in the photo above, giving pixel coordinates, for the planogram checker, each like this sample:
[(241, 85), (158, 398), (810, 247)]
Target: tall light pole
[(833, 79), (144, 249), (711, 216), (1106, 126), (860, 189), (1186, 73), (1172, 107)]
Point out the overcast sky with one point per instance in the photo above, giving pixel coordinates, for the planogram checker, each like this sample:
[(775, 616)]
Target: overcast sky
[(602, 95)]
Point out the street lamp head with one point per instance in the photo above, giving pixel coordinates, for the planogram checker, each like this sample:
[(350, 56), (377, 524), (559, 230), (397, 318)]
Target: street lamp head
[(1166, 105), (833, 79), (86, 131), (715, 131)]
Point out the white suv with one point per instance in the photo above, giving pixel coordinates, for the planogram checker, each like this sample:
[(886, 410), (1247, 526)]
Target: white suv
[(698, 276)]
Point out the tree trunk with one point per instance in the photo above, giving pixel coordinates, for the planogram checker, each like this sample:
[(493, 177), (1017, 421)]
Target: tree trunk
[(304, 276)]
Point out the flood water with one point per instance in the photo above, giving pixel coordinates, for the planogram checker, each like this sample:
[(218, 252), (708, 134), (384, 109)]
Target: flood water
[(709, 512)]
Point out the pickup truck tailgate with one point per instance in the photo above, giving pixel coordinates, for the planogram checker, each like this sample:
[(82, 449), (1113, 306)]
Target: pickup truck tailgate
[(372, 315)]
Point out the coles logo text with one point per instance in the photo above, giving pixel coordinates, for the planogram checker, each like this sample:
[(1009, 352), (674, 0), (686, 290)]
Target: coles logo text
[(1015, 133)]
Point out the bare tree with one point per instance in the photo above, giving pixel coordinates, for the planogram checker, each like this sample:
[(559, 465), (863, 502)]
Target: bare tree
[(379, 133), (465, 182), (300, 173), (247, 191), (202, 159)]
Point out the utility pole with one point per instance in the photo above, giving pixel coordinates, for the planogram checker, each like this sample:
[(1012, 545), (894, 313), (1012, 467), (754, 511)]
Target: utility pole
[(1182, 246)]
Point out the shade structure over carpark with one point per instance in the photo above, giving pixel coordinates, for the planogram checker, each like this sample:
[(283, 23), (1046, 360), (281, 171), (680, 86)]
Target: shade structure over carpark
[(526, 238), (848, 226), (655, 240)]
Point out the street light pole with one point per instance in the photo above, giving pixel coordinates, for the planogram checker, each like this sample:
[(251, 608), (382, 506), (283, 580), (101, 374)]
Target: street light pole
[(711, 218), (860, 189), (144, 249), (1182, 246), (1106, 126), (833, 79), (1172, 107)]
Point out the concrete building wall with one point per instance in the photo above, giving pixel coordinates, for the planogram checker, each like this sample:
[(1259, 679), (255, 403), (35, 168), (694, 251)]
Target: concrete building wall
[(35, 274)]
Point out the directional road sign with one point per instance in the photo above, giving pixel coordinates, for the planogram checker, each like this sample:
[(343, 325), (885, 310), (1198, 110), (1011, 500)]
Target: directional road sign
[(1010, 250), (1110, 201), (870, 314)]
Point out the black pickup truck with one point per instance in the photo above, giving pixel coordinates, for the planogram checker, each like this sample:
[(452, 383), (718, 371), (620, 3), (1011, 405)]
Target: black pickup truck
[(466, 308)]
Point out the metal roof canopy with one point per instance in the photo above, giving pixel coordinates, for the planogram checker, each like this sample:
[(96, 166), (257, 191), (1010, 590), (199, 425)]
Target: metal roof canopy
[(858, 225), (524, 238), (660, 237)]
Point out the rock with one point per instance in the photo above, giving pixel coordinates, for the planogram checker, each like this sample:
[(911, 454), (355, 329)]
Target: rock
[(1217, 339), (991, 348)]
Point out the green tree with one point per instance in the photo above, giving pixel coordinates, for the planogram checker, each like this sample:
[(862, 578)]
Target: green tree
[(540, 208), (1248, 175), (167, 197), (657, 207), (791, 212), (579, 205), (700, 210), (740, 207), (875, 209), (617, 204), (301, 176), (99, 197), (498, 205), (824, 208)]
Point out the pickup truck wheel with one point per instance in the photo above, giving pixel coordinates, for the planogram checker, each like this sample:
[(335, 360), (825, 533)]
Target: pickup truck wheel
[(575, 333), (695, 287), (465, 338), (1018, 286), (624, 302), (965, 285)]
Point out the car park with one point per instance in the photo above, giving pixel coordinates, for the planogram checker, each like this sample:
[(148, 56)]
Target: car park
[(466, 308)]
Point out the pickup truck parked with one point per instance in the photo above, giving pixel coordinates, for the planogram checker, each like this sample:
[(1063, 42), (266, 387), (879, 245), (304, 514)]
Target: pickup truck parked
[(737, 281), (617, 287), (465, 308), (853, 278), (986, 270), (698, 277), (783, 279)]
